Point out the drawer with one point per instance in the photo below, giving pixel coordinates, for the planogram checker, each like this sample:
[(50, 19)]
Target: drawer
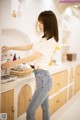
[(38, 115), (58, 101), (59, 80), (52, 106), (77, 79), (61, 99)]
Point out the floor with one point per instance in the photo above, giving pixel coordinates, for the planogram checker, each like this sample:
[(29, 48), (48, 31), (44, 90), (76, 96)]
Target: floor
[(70, 111)]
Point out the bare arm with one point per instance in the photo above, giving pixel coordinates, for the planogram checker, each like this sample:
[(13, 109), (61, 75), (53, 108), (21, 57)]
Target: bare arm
[(23, 60), (21, 48)]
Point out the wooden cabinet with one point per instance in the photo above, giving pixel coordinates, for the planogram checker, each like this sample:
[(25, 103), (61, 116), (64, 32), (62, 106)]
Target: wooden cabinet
[(60, 80), (0, 100), (52, 106), (56, 102), (24, 98), (71, 91), (65, 84), (61, 99), (7, 104), (71, 78), (77, 79), (71, 87), (38, 115)]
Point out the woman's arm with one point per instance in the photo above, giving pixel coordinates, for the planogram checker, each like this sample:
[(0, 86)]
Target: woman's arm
[(27, 59), (21, 48)]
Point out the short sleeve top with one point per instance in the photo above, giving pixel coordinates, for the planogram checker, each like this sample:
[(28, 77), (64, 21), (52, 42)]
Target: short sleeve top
[(46, 47)]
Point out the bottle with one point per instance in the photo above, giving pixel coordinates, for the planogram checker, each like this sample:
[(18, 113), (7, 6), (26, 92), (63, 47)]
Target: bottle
[(14, 57), (19, 57)]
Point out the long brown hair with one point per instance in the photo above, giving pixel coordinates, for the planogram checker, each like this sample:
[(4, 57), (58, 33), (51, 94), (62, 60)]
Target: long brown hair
[(49, 20)]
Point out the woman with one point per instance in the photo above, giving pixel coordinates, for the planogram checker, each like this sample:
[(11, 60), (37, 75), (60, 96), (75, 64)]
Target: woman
[(40, 59)]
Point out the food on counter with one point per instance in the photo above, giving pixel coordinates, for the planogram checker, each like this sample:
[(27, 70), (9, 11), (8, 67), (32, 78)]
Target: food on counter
[(21, 70), (21, 67)]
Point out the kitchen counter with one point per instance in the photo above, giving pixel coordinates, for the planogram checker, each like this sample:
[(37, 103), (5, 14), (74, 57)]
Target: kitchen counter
[(66, 83), (62, 66), (30, 78)]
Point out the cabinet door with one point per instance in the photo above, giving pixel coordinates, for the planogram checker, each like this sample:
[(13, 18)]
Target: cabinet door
[(61, 99), (77, 79), (52, 105), (24, 99), (0, 100), (7, 104), (70, 92), (38, 115), (60, 80), (71, 75), (56, 102)]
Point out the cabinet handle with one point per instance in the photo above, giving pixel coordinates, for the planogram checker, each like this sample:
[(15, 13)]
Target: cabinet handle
[(12, 109), (72, 76), (77, 73), (57, 101), (58, 84), (29, 100)]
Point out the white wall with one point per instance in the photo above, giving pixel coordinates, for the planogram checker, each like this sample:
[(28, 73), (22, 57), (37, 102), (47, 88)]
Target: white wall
[(74, 36), (30, 12)]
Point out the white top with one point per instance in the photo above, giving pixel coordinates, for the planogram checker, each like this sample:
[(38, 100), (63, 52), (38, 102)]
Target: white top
[(46, 47)]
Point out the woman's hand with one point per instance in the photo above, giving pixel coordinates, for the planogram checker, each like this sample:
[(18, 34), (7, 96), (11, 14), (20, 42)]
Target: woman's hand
[(7, 65), (5, 48)]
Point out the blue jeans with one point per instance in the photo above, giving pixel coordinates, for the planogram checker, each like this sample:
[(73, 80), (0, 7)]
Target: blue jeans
[(40, 97)]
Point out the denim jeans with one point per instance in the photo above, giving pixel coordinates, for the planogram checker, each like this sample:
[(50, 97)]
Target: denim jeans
[(40, 97)]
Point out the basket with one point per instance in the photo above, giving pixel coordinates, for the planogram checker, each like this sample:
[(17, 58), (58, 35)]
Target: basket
[(21, 73)]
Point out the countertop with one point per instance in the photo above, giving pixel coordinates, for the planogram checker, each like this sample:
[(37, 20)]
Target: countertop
[(30, 78)]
